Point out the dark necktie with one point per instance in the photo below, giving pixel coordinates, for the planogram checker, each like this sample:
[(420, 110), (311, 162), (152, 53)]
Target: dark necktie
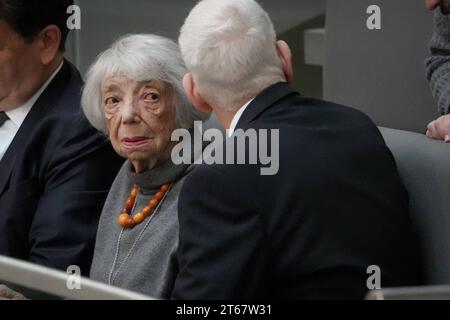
[(3, 118)]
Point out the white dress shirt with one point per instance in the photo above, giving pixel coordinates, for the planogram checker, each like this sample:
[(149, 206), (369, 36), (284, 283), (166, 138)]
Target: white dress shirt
[(236, 118), (17, 116)]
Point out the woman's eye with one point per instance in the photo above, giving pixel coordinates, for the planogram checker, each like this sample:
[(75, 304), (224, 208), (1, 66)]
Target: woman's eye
[(111, 101), (152, 97)]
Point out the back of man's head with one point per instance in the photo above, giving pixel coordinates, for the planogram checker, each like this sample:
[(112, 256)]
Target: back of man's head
[(29, 17), (230, 48)]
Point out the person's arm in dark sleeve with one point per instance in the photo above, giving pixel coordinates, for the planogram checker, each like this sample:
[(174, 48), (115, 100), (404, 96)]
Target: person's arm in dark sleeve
[(78, 179), (221, 238), (438, 62)]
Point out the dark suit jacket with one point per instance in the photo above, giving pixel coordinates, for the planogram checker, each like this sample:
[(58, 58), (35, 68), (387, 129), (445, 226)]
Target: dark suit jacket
[(54, 179), (336, 207)]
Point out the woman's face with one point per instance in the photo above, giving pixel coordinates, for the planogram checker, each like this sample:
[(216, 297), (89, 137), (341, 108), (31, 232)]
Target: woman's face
[(141, 118)]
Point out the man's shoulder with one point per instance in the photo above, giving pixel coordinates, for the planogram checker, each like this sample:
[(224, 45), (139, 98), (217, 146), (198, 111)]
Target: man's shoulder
[(64, 94), (300, 114), (340, 109), (67, 124), (331, 111), (61, 102), (65, 129)]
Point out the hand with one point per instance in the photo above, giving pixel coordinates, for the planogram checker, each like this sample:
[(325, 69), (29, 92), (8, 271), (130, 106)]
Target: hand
[(439, 129), (8, 294), (433, 4)]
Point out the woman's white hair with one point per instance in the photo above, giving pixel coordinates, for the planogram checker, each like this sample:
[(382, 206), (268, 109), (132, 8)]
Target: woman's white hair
[(230, 48), (140, 57)]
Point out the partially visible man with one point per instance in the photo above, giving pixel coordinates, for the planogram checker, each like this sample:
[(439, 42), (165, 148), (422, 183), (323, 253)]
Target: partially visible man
[(336, 205), (55, 170), (438, 68)]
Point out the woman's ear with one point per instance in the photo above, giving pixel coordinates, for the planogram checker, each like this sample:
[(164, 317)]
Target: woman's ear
[(194, 97), (49, 40), (285, 55)]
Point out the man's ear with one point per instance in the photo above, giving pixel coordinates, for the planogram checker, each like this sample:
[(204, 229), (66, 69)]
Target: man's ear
[(285, 54), (194, 97), (49, 40)]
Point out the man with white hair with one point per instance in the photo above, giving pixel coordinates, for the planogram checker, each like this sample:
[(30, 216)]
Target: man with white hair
[(336, 207)]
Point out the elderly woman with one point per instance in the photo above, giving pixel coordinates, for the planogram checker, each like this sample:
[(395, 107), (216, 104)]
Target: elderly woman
[(134, 95)]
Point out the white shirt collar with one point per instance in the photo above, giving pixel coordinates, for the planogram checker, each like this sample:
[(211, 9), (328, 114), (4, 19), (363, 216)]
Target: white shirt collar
[(18, 115), (236, 118)]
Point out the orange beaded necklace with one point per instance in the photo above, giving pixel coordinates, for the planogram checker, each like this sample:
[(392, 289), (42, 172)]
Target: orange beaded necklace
[(126, 220)]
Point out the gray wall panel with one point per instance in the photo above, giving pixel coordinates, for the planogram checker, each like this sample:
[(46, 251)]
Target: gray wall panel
[(380, 72), (103, 21)]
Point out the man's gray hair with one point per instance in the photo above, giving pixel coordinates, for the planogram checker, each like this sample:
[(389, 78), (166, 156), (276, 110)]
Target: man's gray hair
[(140, 57), (230, 48)]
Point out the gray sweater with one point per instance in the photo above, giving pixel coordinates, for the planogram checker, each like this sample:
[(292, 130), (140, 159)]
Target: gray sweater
[(142, 259), (438, 63)]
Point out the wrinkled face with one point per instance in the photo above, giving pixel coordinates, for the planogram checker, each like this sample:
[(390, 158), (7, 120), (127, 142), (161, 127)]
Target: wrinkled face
[(19, 68), (141, 118)]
